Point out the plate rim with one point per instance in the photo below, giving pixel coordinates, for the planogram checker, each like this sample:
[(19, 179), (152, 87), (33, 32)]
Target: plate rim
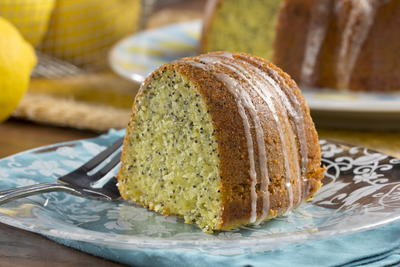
[(134, 242), (112, 55), (202, 245)]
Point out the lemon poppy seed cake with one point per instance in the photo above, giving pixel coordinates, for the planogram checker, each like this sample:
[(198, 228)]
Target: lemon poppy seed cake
[(222, 140)]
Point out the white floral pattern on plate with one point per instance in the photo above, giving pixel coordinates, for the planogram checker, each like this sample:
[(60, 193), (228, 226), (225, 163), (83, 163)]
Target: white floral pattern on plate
[(361, 190)]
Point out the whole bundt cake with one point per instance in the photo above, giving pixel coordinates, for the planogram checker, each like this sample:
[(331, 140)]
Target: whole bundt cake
[(221, 140), (342, 44)]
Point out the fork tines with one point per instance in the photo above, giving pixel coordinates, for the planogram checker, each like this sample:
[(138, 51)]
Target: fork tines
[(96, 168)]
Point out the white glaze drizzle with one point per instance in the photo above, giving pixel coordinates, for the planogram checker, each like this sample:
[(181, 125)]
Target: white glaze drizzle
[(285, 100), (355, 33), (280, 99), (300, 128), (293, 107), (262, 153), (269, 96), (317, 28), (242, 100)]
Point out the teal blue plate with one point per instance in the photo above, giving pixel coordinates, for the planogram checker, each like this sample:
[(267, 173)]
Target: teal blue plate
[(361, 191)]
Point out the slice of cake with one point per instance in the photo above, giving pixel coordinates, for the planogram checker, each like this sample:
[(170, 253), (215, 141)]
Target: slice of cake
[(221, 140)]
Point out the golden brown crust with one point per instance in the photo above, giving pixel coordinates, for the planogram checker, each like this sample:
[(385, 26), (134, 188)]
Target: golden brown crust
[(234, 157), (314, 171), (234, 172), (232, 144)]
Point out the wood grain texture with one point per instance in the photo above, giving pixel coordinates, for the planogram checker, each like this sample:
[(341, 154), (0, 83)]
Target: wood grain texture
[(21, 248), (19, 135)]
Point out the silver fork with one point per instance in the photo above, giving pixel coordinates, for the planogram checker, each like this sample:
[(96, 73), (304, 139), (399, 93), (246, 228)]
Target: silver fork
[(52, 68), (94, 179)]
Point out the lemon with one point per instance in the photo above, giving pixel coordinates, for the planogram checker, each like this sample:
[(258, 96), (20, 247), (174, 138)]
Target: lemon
[(17, 59), (31, 17), (82, 31)]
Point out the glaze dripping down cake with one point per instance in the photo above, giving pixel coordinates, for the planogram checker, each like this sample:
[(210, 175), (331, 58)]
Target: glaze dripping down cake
[(222, 140), (342, 44)]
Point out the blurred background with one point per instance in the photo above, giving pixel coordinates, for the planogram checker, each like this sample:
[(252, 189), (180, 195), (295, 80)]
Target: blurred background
[(73, 93), (72, 39)]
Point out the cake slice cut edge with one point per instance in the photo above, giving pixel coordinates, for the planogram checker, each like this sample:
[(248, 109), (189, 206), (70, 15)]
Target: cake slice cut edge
[(170, 163)]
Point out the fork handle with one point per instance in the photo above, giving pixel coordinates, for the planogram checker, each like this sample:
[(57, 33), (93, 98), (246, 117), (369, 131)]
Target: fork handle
[(24, 191)]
